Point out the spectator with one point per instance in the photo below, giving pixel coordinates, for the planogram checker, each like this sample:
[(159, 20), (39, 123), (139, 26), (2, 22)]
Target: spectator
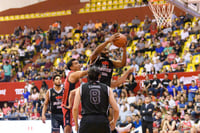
[(196, 113), (135, 22), (35, 115), (156, 86), (34, 96), (26, 93), (22, 114), (171, 89), (186, 125), (7, 72), (192, 91), (184, 35), (6, 109), (139, 59), (157, 122), (169, 124), (182, 90), (137, 123), (165, 82), (148, 65), (140, 96), (20, 74), (182, 106), (147, 84), (44, 86)]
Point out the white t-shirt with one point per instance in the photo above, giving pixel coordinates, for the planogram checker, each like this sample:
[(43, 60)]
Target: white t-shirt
[(67, 28), (148, 67), (21, 52), (140, 33), (45, 52), (30, 48), (187, 57), (155, 58), (131, 100), (184, 35)]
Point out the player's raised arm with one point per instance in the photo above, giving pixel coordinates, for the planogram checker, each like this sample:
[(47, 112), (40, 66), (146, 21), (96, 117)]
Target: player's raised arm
[(118, 63), (113, 103), (73, 77), (116, 83), (98, 50), (46, 102)]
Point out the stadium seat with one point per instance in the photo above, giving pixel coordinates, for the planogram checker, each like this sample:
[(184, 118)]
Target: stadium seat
[(98, 4), (82, 10), (92, 9), (190, 68), (88, 52), (147, 35), (6, 18), (140, 71), (196, 59), (166, 67), (32, 15), (129, 50), (103, 8), (12, 17), (37, 15), (1, 18), (27, 16)]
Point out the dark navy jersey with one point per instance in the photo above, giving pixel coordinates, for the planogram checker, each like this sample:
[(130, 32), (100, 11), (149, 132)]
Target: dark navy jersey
[(56, 100), (94, 98), (106, 68)]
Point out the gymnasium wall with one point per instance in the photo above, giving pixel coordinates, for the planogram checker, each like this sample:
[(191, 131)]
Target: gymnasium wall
[(7, 27)]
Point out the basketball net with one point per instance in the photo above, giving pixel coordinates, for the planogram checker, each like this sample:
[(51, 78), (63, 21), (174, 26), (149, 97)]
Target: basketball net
[(162, 13)]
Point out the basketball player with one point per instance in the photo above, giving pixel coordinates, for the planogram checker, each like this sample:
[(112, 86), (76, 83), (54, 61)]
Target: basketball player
[(71, 83), (95, 98), (100, 58), (54, 98)]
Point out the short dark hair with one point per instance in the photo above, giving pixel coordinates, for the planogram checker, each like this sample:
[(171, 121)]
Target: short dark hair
[(93, 73), (69, 63), (54, 77)]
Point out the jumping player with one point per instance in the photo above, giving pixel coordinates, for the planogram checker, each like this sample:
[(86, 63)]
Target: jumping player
[(71, 83), (100, 59), (54, 98)]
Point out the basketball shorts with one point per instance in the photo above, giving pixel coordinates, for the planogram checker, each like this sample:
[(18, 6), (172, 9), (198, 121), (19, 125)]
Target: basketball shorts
[(56, 122), (94, 124)]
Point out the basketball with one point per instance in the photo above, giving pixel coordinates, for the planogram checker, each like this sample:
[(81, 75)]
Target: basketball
[(121, 41)]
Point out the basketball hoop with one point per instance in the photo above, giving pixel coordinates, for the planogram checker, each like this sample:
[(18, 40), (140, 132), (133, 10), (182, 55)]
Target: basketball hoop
[(162, 12)]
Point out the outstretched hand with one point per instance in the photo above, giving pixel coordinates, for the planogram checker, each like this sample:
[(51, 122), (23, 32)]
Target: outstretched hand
[(114, 37)]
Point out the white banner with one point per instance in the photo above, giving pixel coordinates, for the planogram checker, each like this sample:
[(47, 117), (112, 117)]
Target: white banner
[(25, 126)]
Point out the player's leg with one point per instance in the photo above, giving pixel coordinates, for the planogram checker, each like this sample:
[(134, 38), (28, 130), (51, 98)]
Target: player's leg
[(67, 121), (55, 126)]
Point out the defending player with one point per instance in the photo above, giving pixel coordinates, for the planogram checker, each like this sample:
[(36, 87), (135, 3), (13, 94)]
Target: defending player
[(95, 98), (71, 83)]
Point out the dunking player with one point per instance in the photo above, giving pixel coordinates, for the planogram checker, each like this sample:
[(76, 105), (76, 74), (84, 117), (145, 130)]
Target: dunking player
[(71, 83), (95, 98), (54, 98), (100, 59)]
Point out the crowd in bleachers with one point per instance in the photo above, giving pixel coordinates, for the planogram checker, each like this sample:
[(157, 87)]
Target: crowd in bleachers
[(29, 106), (150, 51)]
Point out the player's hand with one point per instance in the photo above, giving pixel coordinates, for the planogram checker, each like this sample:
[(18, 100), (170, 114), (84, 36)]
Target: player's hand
[(67, 107), (43, 119), (113, 37), (131, 69), (112, 125)]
